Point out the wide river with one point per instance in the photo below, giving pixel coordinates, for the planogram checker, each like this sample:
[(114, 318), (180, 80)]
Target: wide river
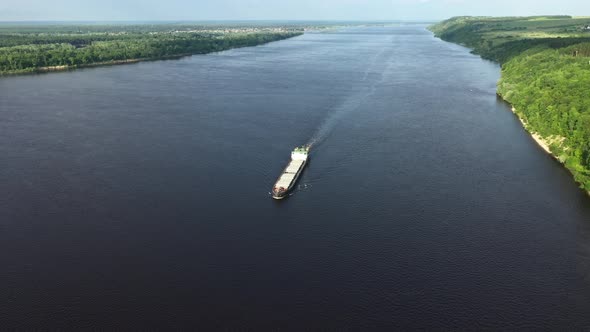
[(137, 196)]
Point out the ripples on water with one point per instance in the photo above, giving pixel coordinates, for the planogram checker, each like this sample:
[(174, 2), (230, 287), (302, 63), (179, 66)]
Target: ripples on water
[(136, 196)]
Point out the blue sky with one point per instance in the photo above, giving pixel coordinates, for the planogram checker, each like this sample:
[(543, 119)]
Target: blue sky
[(15, 10)]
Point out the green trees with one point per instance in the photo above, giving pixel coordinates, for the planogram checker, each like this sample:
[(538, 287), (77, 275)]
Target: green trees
[(545, 77), (553, 98), (60, 46)]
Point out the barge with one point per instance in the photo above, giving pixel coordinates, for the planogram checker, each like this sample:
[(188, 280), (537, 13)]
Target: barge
[(291, 173)]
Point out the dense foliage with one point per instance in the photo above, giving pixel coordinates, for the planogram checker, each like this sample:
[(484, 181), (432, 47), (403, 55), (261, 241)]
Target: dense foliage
[(545, 76), (502, 38), (39, 48)]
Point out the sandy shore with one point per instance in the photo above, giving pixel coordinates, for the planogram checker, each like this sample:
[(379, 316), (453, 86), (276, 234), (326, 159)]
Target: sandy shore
[(541, 141), (95, 64)]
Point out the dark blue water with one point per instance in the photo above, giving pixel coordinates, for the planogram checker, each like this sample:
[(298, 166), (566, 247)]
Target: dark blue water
[(137, 196)]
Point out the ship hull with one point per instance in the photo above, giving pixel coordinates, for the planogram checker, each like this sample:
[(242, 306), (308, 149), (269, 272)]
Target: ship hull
[(285, 193)]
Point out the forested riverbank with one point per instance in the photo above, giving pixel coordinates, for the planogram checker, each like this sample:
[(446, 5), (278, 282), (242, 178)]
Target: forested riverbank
[(41, 48), (545, 76)]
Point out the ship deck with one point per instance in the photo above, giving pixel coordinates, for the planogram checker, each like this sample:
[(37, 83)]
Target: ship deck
[(289, 174)]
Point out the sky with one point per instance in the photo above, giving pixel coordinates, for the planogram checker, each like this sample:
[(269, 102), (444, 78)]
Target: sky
[(143, 10)]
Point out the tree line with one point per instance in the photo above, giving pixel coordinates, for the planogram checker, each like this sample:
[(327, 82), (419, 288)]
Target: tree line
[(545, 78), (21, 53)]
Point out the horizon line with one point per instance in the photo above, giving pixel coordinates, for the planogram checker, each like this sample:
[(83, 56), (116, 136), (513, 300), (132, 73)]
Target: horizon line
[(217, 20)]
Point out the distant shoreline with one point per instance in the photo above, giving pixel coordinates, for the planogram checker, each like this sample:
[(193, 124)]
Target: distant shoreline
[(51, 69), (61, 68)]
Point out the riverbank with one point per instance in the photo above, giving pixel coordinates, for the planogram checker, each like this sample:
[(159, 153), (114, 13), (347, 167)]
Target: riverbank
[(49, 69), (543, 77), (51, 49), (543, 142)]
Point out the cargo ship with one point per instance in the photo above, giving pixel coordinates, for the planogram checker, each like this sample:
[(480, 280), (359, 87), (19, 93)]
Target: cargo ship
[(291, 173)]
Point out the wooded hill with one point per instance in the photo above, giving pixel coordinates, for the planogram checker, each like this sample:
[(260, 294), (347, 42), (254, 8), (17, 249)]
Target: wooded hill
[(545, 76)]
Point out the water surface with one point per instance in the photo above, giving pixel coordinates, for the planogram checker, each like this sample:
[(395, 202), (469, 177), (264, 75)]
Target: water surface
[(137, 196)]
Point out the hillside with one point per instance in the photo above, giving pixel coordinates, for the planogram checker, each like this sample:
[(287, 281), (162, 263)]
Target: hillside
[(545, 76)]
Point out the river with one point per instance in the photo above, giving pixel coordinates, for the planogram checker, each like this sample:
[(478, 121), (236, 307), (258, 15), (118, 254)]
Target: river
[(137, 196)]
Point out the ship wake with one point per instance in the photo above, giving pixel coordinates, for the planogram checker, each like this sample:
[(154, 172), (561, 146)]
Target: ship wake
[(353, 102)]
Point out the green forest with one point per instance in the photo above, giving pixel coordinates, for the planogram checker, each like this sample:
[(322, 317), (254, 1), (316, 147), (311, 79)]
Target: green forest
[(37, 48), (545, 75)]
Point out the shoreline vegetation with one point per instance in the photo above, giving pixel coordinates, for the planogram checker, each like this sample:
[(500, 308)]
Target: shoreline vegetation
[(50, 69), (545, 75), (30, 48), (41, 48)]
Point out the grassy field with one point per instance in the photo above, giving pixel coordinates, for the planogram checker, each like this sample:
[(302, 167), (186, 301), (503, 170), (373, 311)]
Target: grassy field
[(545, 76)]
